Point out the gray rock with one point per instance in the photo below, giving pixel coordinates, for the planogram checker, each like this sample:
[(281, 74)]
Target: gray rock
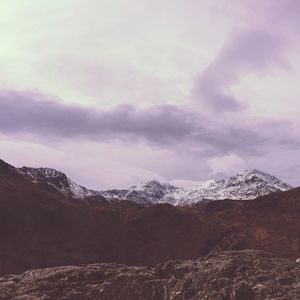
[(233, 275)]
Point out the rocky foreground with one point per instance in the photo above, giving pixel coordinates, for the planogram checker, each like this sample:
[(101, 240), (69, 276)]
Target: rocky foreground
[(242, 275)]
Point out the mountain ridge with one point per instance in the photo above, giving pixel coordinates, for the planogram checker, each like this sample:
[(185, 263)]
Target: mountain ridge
[(246, 185), (58, 180)]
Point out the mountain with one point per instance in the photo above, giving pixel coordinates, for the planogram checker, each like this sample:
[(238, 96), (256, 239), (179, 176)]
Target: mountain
[(40, 227), (244, 186), (149, 192), (56, 180)]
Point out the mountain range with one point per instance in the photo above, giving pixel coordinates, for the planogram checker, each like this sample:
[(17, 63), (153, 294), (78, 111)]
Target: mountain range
[(43, 225), (244, 186)]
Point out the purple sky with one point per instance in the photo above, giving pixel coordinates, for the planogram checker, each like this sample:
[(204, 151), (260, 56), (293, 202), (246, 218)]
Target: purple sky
[(117, 92)]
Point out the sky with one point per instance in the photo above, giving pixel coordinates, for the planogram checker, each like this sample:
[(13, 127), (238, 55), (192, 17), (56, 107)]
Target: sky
[(117, 92)]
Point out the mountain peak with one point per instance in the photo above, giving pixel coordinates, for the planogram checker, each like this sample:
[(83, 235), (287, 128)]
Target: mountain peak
[(151, 183), (246, 185), (57, 180), (253, 172), (257, 175), (46, 172)]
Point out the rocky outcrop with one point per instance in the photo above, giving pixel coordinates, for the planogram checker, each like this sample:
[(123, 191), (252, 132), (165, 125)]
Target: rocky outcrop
[(234, 275)]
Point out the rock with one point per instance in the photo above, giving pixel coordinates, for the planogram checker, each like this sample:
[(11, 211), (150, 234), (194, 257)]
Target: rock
[(231, 275), (242, 291), (261, 290), (25, 297), (286, 280)]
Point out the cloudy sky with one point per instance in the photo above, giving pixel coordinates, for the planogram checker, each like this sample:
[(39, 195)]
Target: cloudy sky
[(117, 92)]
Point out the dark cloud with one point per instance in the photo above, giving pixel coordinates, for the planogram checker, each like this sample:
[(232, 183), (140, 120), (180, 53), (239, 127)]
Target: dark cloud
[(166, 126), (249, 50), (35, 114), (284, 16)]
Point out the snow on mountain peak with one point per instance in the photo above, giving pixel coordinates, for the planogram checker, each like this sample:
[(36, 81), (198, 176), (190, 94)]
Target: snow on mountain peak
[(37, 173), (56, 180), (256, 177), (153, 185), (246, 185), (249, 174)]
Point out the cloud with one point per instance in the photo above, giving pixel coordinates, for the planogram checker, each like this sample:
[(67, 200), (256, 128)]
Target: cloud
[(28, 113), (185, 183), (227, 164), (246, 51), (94, 172), (150, 65), (284, 16)]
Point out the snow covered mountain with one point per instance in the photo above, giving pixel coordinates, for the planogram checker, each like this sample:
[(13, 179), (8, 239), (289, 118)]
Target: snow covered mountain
[(149, 192), (56, 180), (244, 186)]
